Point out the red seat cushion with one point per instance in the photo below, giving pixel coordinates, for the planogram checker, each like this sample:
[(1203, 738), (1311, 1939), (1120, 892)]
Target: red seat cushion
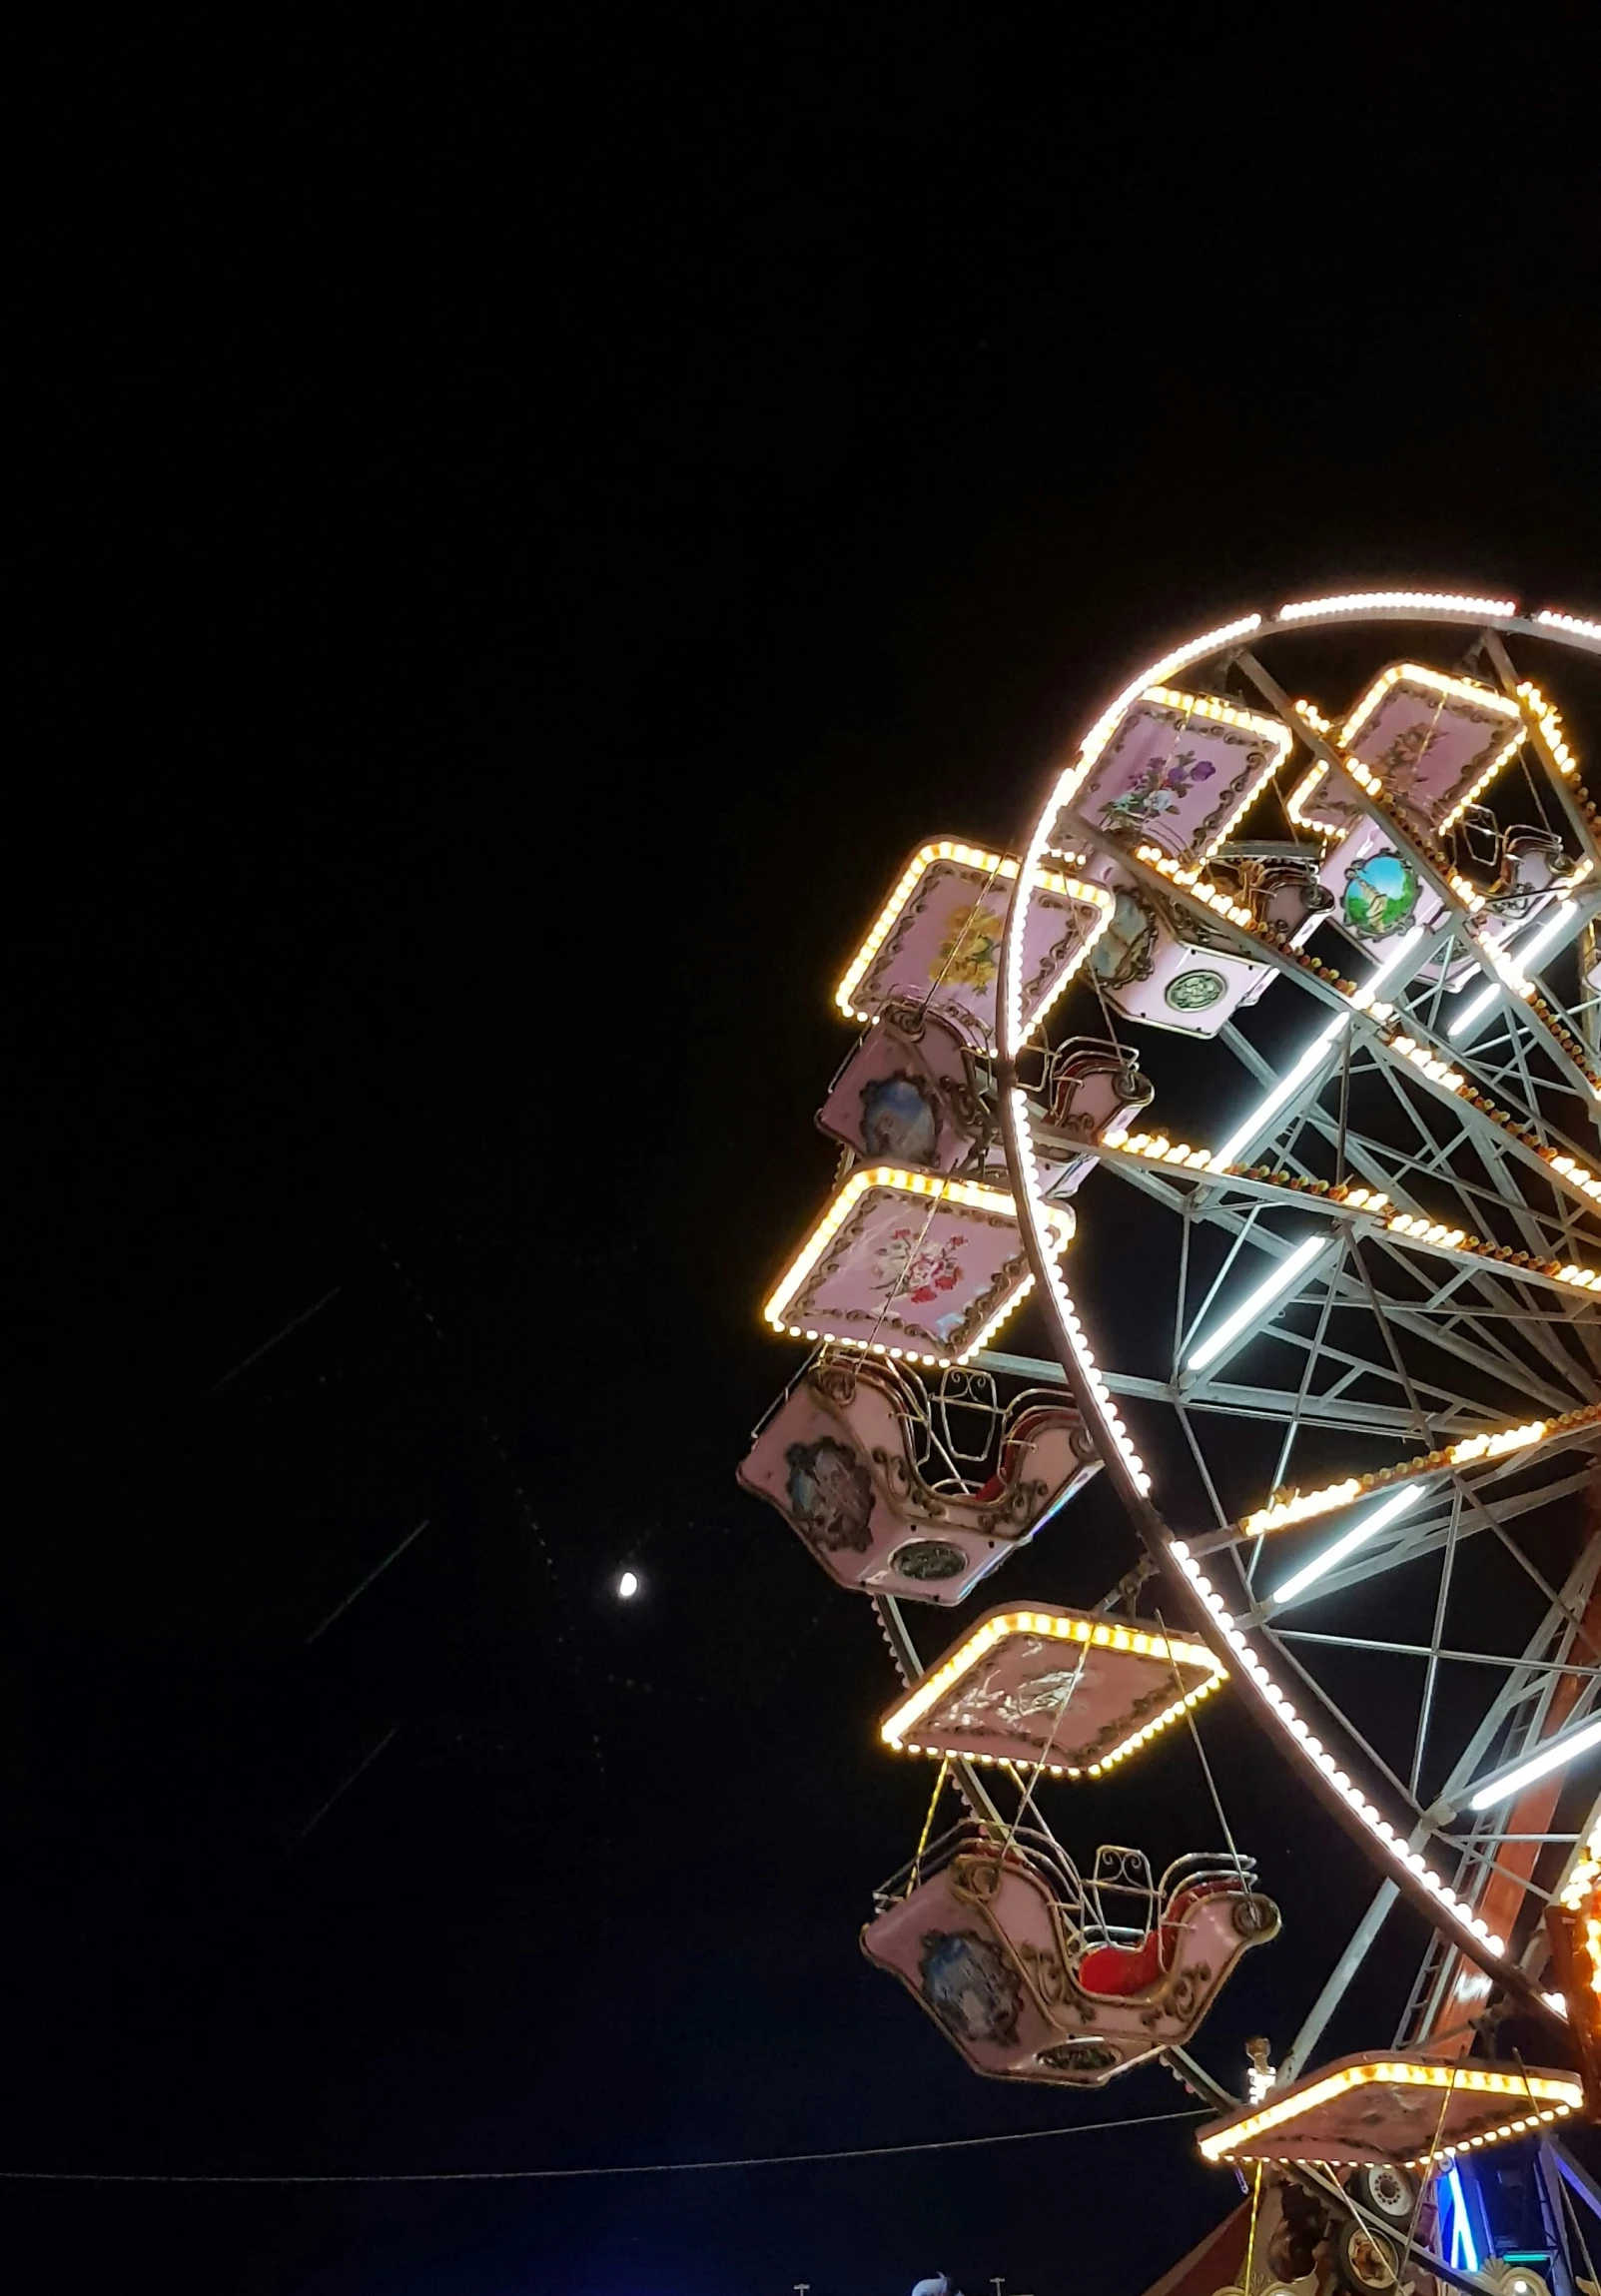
[(1121, 1969), (1029, 1427)]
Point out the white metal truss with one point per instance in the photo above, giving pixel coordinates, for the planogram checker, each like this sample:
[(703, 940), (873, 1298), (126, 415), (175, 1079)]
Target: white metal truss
[(1445, 1625)]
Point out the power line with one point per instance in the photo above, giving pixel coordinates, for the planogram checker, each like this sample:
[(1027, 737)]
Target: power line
[(363, 1764), (362, 1586), (629, 2168), (267, 1345)]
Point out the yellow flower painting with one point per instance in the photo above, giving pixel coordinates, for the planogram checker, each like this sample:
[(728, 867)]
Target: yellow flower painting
[(970, 954)]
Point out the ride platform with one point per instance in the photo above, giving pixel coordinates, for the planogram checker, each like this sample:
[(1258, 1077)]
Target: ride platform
[(1064, 1689), (1397, 2109)]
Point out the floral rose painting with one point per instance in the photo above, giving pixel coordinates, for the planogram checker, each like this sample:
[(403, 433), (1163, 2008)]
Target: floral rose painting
[(904, 1270)]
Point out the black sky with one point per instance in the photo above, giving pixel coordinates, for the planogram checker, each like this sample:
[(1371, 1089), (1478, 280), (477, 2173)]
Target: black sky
[(528, 543)]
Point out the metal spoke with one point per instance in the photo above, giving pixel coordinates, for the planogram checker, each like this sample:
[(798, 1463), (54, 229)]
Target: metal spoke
[(1389, 1345)]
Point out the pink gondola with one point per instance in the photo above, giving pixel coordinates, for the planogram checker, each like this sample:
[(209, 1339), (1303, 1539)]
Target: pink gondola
[(1037, 1974), (911, 1089), (1162, 964), (903, 1486), (1034, 1971), (936, 943)]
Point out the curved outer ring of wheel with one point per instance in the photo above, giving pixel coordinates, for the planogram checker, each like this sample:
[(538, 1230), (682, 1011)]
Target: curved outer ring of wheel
[(1154, 1533)]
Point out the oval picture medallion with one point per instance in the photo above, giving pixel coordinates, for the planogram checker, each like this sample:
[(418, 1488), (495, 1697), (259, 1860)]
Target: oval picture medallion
[(1193, 992), (928, 1559), (1380, 895)]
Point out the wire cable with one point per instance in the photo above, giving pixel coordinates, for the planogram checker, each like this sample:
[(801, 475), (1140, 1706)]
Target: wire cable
[(1206, 1766), (626, 2168)]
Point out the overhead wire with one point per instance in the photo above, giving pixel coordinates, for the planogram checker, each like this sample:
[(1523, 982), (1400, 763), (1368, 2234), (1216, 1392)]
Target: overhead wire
[(1206, 1766), (620, 2168), (1045, 1750)]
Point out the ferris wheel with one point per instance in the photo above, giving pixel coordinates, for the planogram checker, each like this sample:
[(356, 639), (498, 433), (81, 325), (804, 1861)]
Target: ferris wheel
[(1270, 1066)]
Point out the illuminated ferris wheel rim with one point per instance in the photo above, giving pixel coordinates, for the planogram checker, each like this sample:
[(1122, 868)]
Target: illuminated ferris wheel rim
[(1359, 1816)]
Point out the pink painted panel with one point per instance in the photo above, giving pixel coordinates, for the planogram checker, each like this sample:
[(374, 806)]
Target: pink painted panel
[(1189, 989), (1429, 748), (1172, 779), (944, 950), (1010, 1703), (945, 1950), (904, 1093), (901, 1272)]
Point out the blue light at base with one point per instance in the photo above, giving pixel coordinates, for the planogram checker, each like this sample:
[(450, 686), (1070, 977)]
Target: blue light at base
[(1464, 2256)]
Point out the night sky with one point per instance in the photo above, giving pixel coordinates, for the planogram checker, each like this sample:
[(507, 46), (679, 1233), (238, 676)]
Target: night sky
[(520, 575)]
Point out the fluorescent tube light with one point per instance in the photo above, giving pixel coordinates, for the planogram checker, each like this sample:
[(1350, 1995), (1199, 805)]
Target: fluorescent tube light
[(1313, 1056), (1282, 1277), (1550, 1758), (1535, 947), (1357, 1536)]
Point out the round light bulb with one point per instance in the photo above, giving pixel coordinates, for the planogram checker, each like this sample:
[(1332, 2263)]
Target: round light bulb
[(629, 1586)]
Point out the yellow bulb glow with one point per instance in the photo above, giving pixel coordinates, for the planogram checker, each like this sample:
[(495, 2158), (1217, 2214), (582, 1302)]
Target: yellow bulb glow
[(1003, 866), (1390, 601), (1562, 2096), (923, 1695), (1287, 1508), (1576, 622)]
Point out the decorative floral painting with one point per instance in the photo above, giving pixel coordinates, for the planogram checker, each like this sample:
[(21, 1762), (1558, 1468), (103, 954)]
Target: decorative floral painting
[(905, 1268), (970, 954), (1400, 759), (1156, 787)]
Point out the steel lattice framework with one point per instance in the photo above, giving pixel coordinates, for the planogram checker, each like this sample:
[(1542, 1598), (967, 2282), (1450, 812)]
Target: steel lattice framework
[(1427, 1343)]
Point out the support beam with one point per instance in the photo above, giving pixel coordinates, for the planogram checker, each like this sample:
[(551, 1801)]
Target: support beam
[(1333, 1992), (1575, 2174), (1236, 1401)]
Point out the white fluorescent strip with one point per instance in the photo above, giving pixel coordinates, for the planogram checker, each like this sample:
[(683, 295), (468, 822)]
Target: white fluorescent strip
[(1266, 1293), (1463, 2252), (1314, 1053), (1562, 1749), (1357, 1536), (1525, 955), (1312, 1058)]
